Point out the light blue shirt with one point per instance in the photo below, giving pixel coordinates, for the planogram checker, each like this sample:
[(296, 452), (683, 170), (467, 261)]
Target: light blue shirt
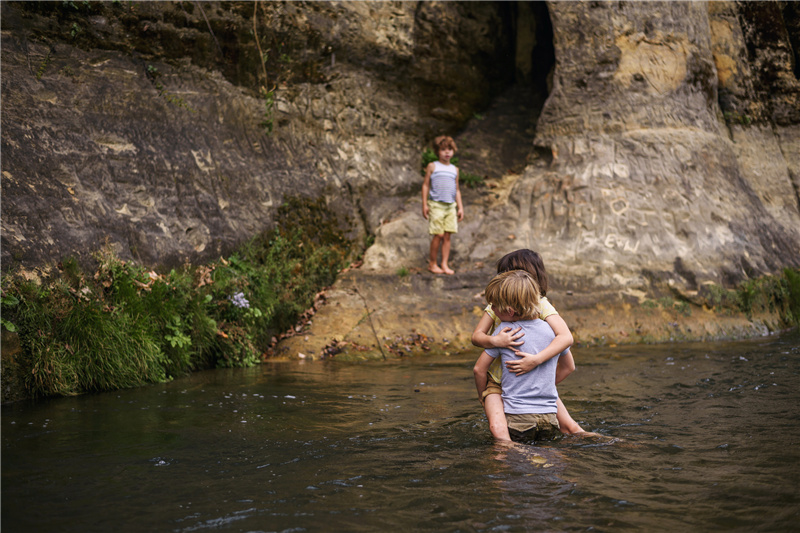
[(533, 392)]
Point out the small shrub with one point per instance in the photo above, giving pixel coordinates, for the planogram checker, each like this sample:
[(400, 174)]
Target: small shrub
[(665, 302), (7, 302), (767, 294), (428, 157), (43, 66), (683, 308), (269, 110), (125, 326), (793, 289), (472, 180), (720, 298), (649, 304), (369, 240), (737, 118)]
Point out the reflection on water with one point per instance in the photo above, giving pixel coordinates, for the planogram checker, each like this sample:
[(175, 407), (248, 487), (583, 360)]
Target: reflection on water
[(698, 436)]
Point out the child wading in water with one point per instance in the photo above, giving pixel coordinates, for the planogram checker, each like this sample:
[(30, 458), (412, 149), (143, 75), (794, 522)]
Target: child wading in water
[(441, 203), (529, 398), (532, 263)]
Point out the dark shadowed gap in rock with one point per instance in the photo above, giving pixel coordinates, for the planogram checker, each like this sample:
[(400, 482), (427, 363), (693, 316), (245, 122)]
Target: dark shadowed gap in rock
[(791, 17), (771, 34), (498, 140)]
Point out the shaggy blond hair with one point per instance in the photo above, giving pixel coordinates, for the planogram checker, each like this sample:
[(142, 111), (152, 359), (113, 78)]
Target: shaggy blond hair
[(516, 290)]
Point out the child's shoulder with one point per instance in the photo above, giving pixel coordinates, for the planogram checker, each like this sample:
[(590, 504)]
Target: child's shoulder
[(532, 324), (546, 309)]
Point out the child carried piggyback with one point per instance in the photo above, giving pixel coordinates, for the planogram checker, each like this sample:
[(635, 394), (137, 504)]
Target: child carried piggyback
[(530, 262)]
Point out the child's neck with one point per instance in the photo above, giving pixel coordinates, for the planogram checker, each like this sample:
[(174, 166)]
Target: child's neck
[(444, 161)]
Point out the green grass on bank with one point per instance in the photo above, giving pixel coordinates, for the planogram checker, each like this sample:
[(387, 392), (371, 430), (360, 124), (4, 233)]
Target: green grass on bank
[(122, 325), (768, 295), (778, 294)]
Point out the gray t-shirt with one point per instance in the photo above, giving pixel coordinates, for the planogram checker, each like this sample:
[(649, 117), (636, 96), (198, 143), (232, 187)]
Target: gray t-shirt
[(533, 392)]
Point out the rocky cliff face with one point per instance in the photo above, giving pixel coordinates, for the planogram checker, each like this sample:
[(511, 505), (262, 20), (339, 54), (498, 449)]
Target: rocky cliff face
[(145, 123), (640, 147), (718, 202), (649, 173)]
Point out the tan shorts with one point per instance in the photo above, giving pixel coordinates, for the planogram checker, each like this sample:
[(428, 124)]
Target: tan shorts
[(442, 218), (532, 427), (492, 387)]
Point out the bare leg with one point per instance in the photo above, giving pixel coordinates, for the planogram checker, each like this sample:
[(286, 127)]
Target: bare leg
[(446, 254), (493, 405), (432, 266), (565, 421)]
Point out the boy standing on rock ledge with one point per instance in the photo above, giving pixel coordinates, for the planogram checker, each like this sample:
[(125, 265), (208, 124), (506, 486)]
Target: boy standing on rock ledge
[(441, 202)]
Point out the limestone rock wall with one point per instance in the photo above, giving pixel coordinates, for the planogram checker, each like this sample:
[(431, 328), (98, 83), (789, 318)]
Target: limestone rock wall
[(666, 151), (142, 124), (649, 172)]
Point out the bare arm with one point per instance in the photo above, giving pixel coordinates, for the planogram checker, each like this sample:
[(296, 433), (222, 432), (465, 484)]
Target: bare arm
[(561, 342), (459, 205), (480, 371), (426, 189), (504, 339), (566, 366)]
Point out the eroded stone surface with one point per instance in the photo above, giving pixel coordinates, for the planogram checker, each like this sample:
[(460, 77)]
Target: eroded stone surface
[(665, 156)]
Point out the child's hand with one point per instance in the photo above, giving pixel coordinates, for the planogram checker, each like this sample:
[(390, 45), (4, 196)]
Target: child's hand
[(526, 363), (507, 338), (425, 212)]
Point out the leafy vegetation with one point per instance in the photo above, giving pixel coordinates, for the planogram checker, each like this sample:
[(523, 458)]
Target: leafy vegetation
[(778, 295), (737, 118), (669, 304), (269, 110), (43, 65), (472, 180), (772, 294), (428, 157), (123, 325)]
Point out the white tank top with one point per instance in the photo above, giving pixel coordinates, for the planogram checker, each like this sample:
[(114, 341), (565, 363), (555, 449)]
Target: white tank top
[(443, 183)]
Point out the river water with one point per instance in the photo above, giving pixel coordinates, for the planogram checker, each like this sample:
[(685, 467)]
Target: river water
[(694, 437)]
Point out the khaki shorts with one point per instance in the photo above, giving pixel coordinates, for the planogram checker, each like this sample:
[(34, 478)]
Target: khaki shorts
[(442, 218), (532, 427), (492, 387)]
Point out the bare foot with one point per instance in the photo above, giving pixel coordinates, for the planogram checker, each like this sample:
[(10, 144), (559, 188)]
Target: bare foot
[(449, 271), (435, 269)]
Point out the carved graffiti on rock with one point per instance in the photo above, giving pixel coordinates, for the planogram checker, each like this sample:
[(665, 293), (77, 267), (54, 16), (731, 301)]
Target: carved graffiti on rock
[(661, 64)]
